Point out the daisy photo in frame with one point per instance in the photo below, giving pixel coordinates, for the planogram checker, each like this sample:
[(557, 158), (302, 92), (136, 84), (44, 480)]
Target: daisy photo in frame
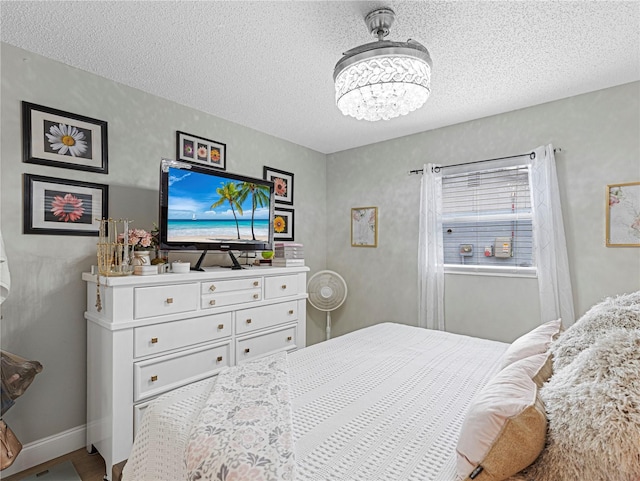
[(282, 183), (63, 207), (201, 151), (62, 139)]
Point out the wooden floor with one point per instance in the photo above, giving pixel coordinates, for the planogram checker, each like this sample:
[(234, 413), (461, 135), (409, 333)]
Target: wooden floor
[(90, 467)]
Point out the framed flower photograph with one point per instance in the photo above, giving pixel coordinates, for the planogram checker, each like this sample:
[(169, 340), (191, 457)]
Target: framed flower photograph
[(283, 224), (364, 227), (199, 150), (62, 139), (623, 215), (63, 207), (283, 184)]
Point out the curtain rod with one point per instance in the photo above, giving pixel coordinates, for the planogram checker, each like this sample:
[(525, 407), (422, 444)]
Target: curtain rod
[(531, 155)]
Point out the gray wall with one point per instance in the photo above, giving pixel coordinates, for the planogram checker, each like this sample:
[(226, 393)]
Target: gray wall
[(599, 134), (43, 316)]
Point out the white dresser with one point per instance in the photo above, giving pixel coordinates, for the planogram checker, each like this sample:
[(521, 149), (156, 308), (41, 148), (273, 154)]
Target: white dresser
[(148, 335)]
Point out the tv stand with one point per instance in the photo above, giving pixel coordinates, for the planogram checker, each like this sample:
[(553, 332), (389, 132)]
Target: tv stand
[(236, 265)]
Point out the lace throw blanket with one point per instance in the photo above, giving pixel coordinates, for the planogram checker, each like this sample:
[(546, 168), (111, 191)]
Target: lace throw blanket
[(244, 430)]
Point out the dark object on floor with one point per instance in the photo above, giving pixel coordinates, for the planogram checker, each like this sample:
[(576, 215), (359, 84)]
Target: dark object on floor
[(60, 472)]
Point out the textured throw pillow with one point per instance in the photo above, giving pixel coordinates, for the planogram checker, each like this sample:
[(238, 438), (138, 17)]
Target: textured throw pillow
[(504, 430), (593, 406), (536, 341), (596, 322)]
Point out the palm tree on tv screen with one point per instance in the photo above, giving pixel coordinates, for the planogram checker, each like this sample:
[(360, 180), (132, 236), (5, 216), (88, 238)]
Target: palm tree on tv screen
[(229, 193), (259, 198)]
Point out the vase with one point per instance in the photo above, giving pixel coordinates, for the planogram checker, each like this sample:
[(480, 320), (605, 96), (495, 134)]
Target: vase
[(141, 258)]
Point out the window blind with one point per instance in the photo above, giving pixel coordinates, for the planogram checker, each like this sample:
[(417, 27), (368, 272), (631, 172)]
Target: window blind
[(487, 220)]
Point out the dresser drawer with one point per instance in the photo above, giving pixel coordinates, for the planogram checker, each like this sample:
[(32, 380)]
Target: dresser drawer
[(281, 340), (156, 376), (163, 300), (160, 338), (280, 286), (231, 285), (230, 298), (248, 320)]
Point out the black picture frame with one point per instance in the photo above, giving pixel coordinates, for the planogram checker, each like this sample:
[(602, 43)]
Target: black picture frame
[(198, 150), (283, 184), (54, 206), (283, 224), (63, 139)]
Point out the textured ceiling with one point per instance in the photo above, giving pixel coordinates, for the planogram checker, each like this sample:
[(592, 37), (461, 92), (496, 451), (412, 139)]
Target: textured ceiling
[(269, 65)]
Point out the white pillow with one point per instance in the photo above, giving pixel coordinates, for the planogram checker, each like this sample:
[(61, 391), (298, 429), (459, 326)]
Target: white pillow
[(504, 430), (536, 341)]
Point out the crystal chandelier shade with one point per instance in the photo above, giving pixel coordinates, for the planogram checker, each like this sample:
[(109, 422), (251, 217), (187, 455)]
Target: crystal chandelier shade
[(382, 80)]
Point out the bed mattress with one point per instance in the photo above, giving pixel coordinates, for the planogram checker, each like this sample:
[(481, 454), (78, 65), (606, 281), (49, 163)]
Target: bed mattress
[(382, 403)]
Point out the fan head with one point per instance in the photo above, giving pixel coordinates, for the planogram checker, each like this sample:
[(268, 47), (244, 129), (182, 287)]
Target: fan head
[(327, 290)]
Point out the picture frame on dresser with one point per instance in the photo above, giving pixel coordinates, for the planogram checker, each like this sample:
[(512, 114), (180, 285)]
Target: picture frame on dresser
[(63, 139), (54, 206)]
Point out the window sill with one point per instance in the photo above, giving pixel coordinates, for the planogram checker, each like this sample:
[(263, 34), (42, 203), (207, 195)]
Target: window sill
[(496, 271)]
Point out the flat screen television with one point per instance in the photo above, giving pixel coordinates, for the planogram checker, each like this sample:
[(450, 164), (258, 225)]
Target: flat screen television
[(203, 208)]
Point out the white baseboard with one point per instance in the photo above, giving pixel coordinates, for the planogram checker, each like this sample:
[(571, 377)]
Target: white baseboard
[(46, 449)]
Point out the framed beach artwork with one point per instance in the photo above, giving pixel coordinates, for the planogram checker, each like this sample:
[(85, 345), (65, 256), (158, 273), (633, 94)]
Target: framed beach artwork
[(283, 184), (283, 224), (62, 139), (623, 215), (364, 227), (63, 207), (201, 151)]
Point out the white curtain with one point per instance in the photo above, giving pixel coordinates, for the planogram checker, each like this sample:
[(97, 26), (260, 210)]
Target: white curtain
[(554, 283), (431, 254)]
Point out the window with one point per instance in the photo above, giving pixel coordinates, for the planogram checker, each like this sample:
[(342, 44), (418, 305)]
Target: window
[(487, 221)]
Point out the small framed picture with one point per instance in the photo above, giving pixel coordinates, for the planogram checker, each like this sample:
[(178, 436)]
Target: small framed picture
[(623, 215), (201, 151), (364, 227), (63, 207), (283, 224), (283, 184), (62, 139)]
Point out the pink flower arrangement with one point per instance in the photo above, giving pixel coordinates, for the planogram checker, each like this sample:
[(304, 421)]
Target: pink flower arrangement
[(139, 239)]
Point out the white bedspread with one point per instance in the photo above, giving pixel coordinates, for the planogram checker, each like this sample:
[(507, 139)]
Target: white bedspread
[(383, 403)]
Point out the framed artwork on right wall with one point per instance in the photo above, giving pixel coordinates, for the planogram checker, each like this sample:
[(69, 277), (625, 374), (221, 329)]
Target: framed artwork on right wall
[(623, 215)]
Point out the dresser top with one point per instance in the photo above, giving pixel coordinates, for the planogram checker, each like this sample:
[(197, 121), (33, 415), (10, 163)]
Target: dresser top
[(210, 273)]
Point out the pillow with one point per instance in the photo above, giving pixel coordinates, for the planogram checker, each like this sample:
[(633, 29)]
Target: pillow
[(504, 430), (536, 341), (593, 406), (595, 323)]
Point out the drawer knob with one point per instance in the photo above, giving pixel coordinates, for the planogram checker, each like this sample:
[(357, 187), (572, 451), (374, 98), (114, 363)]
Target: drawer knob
[(256, 296), (220, 326), (289, 338), (248, 321), (169, 300), (212, 302), (290, 311), (154, 378), (212, 288), (283, 286), (256, 283), (219, 359), (246, 351), (154, 340)]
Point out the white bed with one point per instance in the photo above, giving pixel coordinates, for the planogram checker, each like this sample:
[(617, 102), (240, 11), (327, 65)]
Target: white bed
[(383, 403)]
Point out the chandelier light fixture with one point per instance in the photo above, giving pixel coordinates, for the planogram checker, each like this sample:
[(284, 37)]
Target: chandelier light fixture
[(382, 80)]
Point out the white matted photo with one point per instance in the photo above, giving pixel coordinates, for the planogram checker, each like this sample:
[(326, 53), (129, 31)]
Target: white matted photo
[(623, 215), (364, 227), (63, 207), (62, 139)]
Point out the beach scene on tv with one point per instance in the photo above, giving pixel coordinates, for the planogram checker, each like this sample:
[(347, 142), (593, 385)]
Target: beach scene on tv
[(204, 208)]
